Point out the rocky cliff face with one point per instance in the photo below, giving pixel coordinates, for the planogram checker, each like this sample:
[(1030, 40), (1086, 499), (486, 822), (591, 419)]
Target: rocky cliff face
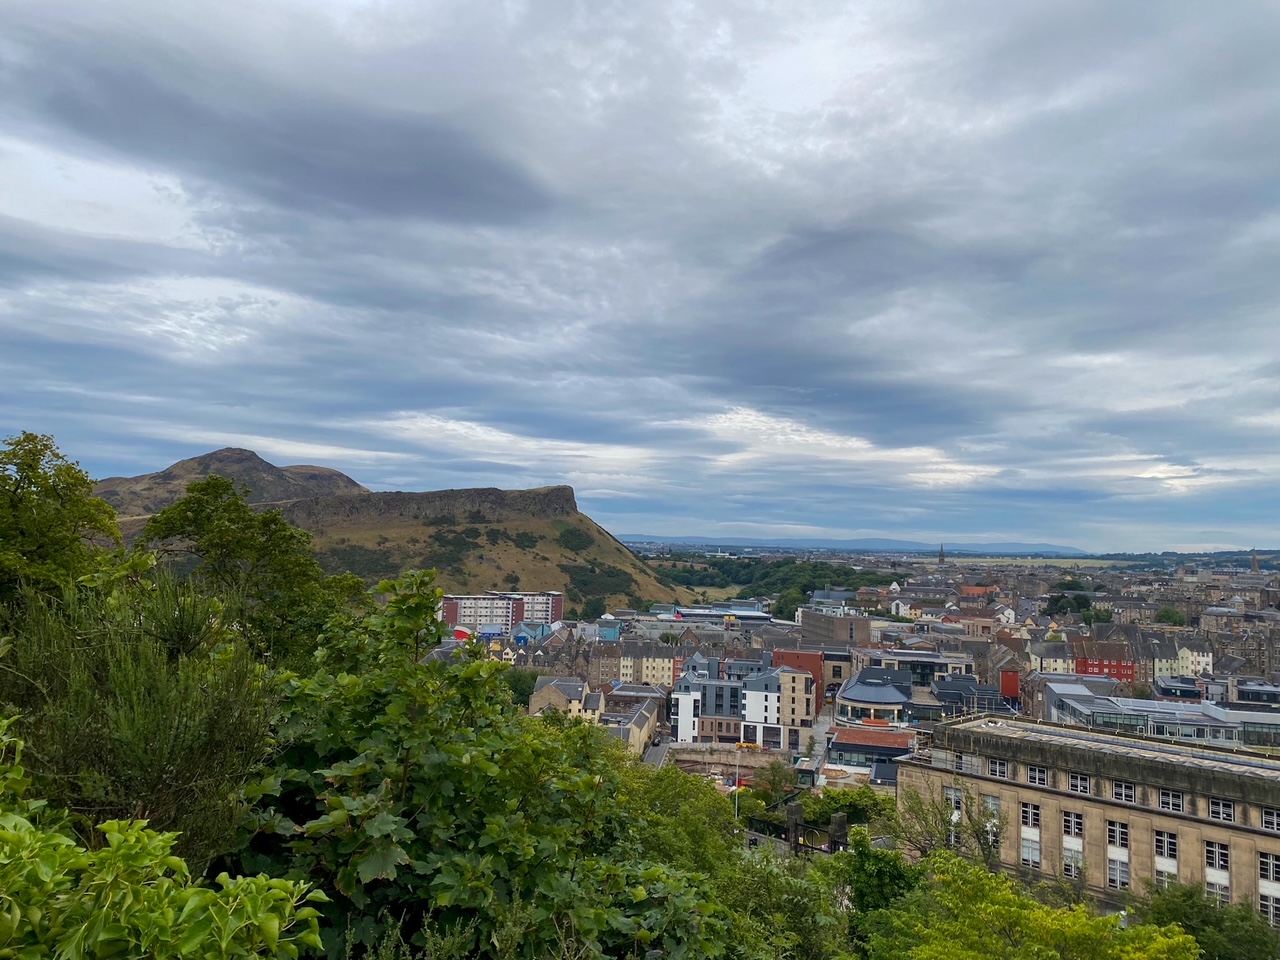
[(267, 483), (481, 505)]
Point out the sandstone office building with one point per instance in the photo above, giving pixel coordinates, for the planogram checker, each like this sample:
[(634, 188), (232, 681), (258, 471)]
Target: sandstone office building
[(1112, 811)]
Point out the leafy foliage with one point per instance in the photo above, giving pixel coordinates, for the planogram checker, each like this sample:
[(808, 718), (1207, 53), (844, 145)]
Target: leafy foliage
[(521, 683), (1234, 932), (865, 880), (600, 581), (1171, 616), (924, 825), (410, 788), (282, 595), (140, 703), (48, 514), (525, 540), (129, 897), (678, 818), (967, 913), (860, 805), (575, 539)]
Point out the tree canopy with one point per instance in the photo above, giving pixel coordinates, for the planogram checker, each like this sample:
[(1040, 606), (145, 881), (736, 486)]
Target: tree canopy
[(52, 527)]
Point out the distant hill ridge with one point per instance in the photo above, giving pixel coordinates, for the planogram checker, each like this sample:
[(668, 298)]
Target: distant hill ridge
[(479, 539), (867, 543), (267, 483)]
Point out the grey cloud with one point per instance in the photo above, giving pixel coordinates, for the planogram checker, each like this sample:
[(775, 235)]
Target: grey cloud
[(1027, 237), (299, 152)]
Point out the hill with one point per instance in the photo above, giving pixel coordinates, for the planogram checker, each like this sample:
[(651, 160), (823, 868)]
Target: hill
[(479, 539), (871, 545), (267, 483)]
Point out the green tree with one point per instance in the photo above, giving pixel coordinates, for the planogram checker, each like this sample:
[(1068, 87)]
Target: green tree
[(140, 702), (774, 780), (129, 897), (965, 912), (410, 788), (593, 608), (926, 824), (521, 682), (859, 804), (865, 879), (781, 908), (52, 528), (1171, 617), (1234, 932), (677, 818), (575, 539), (255, 557), (788, 602)]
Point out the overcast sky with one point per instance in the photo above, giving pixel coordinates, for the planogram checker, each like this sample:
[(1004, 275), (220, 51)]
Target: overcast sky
[(946, 271)]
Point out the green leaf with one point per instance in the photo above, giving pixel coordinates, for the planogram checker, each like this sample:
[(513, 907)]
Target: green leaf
[(380, 862)]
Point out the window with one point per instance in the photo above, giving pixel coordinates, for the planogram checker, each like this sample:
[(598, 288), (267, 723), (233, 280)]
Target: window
[(1122, 790), (998, 768), (1216, 855), (954, 796), (1073, 864), (1271, 819), (1073, 824), (1166, 844), (1224, 810), (1171, 800), (957, 761), (1269, 866), (1117, 834), (1165, 879), (1031, 853), (1038, 776), (837, 672), (1269, 907), (1220, 892), (1031, 814), (1117, 874), (1078, 782)]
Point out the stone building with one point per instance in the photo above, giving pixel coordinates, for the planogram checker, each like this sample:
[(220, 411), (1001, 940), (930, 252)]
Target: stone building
[(1111, 811)]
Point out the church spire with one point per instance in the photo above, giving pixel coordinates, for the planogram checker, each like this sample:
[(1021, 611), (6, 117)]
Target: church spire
[(1253, 565), (942, 553)]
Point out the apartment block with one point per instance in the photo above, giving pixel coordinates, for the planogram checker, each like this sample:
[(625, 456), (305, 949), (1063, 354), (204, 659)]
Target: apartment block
[(1111, 811), (502, 609)]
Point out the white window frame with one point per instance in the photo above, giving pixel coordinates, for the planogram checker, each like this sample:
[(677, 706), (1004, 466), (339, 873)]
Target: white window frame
[(1078, 782), (1118, 874), (1217, 856), (1118, 834), (1269, 866), (1124, 790), (1073, 864), (1030, 853), (1166, 844), (1270, 819), (1072, 824), (998, 768), (1172, 800), (1220, 809), (1031, 815), (1038, 776)]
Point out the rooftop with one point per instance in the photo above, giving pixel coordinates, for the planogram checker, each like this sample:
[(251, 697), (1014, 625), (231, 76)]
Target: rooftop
[(1136, 748)]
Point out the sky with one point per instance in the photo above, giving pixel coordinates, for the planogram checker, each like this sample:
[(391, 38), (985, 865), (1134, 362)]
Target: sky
[(928, 270)]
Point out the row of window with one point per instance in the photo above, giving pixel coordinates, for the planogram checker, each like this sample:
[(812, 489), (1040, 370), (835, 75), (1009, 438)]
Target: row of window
[(1217, 856), (1126, 791)]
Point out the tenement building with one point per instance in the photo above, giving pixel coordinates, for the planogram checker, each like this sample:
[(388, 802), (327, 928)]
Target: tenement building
[(1111, 811)]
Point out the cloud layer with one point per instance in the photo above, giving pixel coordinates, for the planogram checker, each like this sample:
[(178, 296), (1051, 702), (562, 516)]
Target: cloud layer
[(910, 269)]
